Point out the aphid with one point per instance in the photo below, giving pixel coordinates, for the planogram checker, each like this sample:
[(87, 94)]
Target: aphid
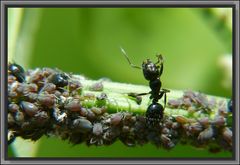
[(29, 108), (98, 86), (219, 121), (181, 119), (167, 141), (41, 118), (19, 117), (195, 127), (47, 100), (36, 76), (204, 122), (82, 125), (73, 105), (11, 79), (10, 120), (152, 72), (48, 87), (59, 79), (227, 135), (17, 71), (13, 108), (174, 103), (116, 119), (96, 111), (74, 85), (25, 89), (206, 134)]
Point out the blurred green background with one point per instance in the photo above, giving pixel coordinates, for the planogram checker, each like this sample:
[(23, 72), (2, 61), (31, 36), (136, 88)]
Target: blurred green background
[(196, 44)]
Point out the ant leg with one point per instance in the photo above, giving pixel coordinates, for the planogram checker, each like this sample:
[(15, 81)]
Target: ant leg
[(138, 94), (164, 92), (131, 64)]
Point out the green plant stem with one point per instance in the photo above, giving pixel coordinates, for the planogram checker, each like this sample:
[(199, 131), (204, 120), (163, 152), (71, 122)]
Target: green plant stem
[(118, 99)]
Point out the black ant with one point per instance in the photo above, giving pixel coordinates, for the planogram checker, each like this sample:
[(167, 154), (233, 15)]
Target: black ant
[(152, 72)]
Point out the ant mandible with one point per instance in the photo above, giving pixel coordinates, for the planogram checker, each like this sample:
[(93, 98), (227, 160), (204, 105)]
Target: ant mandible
[(152, 72)]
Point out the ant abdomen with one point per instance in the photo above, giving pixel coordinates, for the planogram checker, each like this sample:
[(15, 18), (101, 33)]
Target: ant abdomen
[(154, 113)]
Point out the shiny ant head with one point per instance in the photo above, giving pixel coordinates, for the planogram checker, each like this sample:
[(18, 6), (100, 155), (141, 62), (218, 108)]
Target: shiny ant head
[(150, 70)]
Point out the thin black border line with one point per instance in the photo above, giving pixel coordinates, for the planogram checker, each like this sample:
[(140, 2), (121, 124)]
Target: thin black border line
[(234, 56), (5, 77), (84, 158), (233, 50)]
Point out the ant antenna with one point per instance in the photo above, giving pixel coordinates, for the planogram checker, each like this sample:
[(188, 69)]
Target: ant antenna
[(160, 59), (125, 54)]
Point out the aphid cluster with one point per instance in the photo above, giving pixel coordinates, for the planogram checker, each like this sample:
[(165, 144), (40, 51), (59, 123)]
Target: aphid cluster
[(152, 72), (51, 102), (205, 130), (193, 101)]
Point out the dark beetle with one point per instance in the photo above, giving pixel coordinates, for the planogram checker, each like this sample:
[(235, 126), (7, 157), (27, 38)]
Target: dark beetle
[(59, 79), (152, 72), (17, 71)]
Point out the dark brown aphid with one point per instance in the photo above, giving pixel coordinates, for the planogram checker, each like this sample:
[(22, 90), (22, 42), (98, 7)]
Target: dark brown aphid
[(82, 125), (166, 141), (41, 118), (195, 128), (206, 134), (11, 120), (73, 105), (13, 108), (204, 122), (74, 85), (47, 100), (36, 77), (96, 111), (219, 121), (29, 108), (25, 89), (49, 88), (11, 79), (116, 119), (19, 117), (227, 135), (174, 103)]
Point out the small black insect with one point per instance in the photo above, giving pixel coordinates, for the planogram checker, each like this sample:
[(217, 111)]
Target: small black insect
[(17, 71), (152, 72), (230, 105), (59, 79)]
